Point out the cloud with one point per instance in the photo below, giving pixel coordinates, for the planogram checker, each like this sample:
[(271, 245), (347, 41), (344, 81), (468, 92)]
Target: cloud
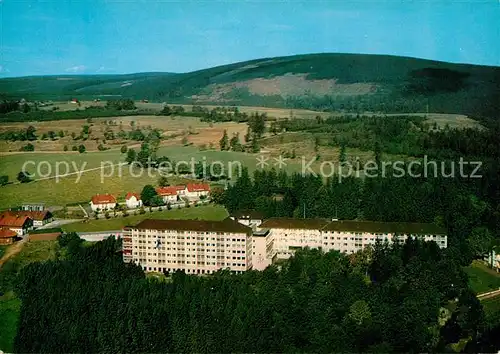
[(76, 69), (4, 70)]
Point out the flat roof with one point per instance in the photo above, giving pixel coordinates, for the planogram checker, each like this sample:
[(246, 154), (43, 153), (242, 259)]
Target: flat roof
[(226, 225), (384, 227), (291, 223)]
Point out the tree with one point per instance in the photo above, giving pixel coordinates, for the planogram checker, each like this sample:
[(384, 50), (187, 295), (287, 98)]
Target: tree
[(342, 154), (28, 147), (81, 149), (23, 177), (65, 148), (131, 156), (124, 149), (61, 134), (480, 242), (163, 181), (147, 194), (235, 142), (52, 135), (4, 180), (224, 141), (73, 135), (30, 133), (74, 148), (255, 144)]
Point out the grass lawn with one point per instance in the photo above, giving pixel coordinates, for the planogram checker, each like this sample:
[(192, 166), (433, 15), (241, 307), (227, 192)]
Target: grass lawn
[(206, 212), (481, 278), (10, 307), (2, 250)]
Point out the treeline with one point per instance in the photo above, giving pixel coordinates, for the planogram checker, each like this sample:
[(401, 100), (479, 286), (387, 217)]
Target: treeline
[(391, 299), (467, 207), (408, 135)]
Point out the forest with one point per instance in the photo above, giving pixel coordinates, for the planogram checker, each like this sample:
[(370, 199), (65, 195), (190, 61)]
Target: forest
[(410, 297)]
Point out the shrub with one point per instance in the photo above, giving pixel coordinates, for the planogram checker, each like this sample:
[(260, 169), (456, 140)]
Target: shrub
[(65, 148), (74, 148)]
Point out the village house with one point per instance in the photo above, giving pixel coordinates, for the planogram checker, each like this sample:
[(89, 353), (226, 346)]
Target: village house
[(18, 223), (133, 200), (168, 194), (197, 190), (39, 218), (7, 236), (102, 202)]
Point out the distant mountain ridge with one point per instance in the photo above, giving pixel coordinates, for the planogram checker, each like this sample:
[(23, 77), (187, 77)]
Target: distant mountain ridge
[(351, 82)]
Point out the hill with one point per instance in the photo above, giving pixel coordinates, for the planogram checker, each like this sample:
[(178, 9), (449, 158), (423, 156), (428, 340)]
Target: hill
[(349, 82)]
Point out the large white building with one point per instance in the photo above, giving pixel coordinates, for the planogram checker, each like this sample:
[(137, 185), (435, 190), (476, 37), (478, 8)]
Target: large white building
[(286, 235), (194, 246)]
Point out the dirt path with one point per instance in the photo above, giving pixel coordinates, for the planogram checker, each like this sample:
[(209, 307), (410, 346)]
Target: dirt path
[(12, 251), (488, 295)]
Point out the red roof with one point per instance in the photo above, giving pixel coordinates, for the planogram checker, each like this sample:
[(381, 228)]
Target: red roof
[(103, 199), (180, 187), (130, 195), (6, 233), (198, 187), (34, 215), (164, 191), (9, 220)]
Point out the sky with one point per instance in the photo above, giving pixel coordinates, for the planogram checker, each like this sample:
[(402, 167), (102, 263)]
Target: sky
[(55, 37)]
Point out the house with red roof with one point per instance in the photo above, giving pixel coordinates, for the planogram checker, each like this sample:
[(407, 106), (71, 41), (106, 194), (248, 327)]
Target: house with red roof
[(169, 194), (197, 190), (7, 236), (102, 202), (133, 200), (20, 224), (39, 218)]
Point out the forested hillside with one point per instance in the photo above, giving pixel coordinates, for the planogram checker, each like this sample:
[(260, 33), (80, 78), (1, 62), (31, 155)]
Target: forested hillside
[(347, 82), (406, 298)]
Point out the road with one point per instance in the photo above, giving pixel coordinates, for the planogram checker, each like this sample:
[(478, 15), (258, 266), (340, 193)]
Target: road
[(488, 295), (12, 250), (57, 223)]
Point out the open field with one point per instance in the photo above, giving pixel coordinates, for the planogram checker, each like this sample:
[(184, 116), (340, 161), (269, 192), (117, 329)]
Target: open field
[(206, 212), (481, 278), (172, 127)]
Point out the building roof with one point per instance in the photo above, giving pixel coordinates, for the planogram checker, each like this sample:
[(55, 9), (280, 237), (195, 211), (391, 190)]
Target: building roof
[(198, 187), (226, 225), (10, 220), (164, 191), (130, 195), (384, 227), (7, 233), (103, 199), (290, 223), (247, 214), (34, 215), (180, 187)]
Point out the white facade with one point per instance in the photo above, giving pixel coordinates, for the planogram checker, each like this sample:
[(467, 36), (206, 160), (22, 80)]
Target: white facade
[(160, 245), (133, 202), (102, 206), (286, 236)]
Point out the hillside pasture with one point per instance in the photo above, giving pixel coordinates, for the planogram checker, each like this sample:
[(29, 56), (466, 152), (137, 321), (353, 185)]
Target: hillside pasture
[(205, 212), (197, 132)]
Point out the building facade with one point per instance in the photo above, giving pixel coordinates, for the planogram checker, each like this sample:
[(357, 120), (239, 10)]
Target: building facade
[(168, 194), (103, 202), (20, 224), (286, 235), (133, 200), (39, 218), (197, 190), (7, 236), (193, 246)]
